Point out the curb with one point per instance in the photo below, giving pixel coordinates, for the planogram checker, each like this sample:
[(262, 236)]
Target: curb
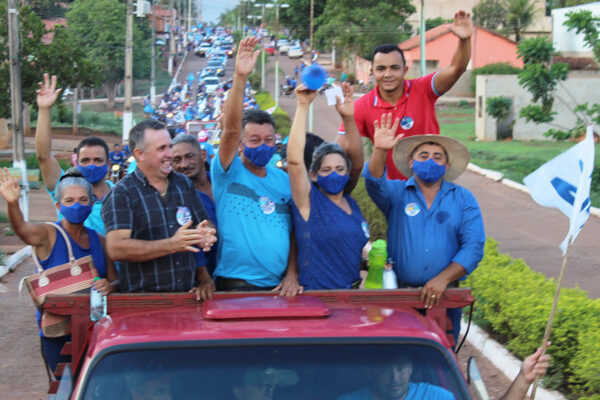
[(499, 177), (13, 261), (508, 364)]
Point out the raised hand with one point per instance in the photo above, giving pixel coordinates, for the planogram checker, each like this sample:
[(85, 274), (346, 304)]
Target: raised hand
[(346, 109), (247, 54), (47, 93), (304, 95), (9, 187), (535, 365), (462, 26), (384, 137)]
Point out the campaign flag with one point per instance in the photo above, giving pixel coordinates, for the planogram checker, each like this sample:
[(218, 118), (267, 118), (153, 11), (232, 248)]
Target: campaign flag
[(564, 183)]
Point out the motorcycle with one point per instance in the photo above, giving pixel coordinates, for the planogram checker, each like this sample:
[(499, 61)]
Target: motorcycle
[(115, 173), (285, 90)]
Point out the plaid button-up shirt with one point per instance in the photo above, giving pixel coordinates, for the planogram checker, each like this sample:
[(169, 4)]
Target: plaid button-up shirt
[(135, 205)]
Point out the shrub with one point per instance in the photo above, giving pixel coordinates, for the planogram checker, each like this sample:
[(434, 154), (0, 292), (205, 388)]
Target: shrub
[(500, 68), (515, 303), (498, 107), (375, 218), (282, 120)]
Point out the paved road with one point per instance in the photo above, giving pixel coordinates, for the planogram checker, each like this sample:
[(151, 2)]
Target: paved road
[(522, 227)]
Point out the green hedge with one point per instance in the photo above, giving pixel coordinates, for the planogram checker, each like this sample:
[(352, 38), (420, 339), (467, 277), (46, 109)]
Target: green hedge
[(514, 302), (500, 68)]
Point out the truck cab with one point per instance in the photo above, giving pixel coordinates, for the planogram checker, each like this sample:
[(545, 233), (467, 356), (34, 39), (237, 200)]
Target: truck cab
[(316, 346)]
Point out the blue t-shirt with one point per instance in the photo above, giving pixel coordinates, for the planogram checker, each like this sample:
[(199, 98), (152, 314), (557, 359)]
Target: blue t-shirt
[(94, 220), (209, 206), (255, 223), (416, 391), (330, 243), (117, 157), (423, 242)]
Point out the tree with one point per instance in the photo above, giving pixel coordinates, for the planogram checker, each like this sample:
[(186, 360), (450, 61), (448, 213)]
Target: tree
[(57, 58), (431, 23), (297, 17), (584, 23), (489, 14), (359, 32), (518, 16), (98, 28)]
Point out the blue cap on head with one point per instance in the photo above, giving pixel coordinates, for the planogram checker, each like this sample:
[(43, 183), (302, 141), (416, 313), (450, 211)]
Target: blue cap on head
[(313, 76)]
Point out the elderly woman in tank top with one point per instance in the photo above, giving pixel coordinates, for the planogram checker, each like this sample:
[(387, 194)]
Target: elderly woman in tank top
[(74, 201), (329, 226)]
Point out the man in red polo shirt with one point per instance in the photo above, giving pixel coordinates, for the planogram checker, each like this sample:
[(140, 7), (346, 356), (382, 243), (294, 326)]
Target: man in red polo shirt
[(412, 101)]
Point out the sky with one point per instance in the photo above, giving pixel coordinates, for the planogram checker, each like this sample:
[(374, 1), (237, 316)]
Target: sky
[(211, 9)]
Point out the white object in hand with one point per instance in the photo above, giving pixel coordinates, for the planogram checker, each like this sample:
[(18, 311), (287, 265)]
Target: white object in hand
[(331, 94)]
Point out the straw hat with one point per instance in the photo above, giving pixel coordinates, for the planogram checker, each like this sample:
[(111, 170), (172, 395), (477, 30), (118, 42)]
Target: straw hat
[(458, 155)]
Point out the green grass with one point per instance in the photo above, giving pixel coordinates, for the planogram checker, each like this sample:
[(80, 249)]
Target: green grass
[(515, 159)]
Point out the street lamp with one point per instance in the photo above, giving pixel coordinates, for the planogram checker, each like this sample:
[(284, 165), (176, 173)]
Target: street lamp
[(277, 5)]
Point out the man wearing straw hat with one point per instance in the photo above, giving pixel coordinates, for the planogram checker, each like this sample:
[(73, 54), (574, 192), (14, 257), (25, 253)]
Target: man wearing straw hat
[(435, 228)]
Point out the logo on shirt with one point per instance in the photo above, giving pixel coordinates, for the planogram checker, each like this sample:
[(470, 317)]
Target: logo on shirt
[(365, 228), (412, 209), (266, 205), (406, 123), (183, 215), (43, 281)]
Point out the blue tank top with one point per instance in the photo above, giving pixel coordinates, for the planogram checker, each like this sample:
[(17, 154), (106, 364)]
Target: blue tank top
[(60, 254), (330, 243)]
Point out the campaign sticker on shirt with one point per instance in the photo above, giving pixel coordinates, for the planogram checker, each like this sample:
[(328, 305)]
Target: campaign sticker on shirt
[(267, 205), (365, 228), (406, 123), (412, 209), (43, 281), (183, 215)]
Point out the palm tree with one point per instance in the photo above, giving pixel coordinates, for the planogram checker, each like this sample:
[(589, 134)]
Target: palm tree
[(518, 15)]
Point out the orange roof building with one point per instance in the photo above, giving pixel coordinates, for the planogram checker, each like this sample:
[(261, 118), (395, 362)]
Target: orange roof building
[(487, 47)]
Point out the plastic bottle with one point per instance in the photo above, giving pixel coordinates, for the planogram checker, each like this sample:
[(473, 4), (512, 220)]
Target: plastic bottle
[(389, 277), (97, 303), (377, 258)]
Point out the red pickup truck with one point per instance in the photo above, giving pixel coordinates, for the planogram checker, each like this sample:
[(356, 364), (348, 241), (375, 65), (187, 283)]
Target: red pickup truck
[(320, 345)]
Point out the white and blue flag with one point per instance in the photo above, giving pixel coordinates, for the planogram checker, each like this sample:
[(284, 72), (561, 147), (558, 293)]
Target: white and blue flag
[(564, 182)]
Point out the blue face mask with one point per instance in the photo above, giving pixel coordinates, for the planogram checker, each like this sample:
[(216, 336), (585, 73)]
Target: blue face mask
[(77, 213), (428, 171), (333, 183), (261, 155), (93, 173)]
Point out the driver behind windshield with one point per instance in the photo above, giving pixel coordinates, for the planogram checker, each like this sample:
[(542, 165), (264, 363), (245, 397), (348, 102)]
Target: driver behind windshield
[(391, 381)]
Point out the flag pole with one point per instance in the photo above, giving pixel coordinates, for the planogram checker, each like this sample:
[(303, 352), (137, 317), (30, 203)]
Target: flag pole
[(551, 319)]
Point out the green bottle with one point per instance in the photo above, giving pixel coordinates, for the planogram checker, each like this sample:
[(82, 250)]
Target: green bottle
[(377, 257)]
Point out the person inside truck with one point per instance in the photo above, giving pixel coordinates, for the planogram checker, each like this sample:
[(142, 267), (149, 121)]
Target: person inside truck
[(261, 383), (435, 228), (157, 228), (74, 200), (391, 381), (322, 206), (256, 246)]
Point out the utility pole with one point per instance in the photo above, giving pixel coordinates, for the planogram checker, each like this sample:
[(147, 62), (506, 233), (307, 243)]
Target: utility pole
[(312, 16), (171, 38), (127, 114), (189, 19), (153, 56), (16, 100), (75, 103)]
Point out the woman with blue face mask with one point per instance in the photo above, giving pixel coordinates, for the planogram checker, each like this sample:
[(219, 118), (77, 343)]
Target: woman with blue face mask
[(74, 201), (330, 229)]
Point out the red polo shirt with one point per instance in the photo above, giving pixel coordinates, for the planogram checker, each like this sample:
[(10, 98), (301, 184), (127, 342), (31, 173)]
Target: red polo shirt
[(416, 110)]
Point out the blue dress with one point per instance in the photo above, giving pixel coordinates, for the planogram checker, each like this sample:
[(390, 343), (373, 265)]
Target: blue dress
[(330, 243)]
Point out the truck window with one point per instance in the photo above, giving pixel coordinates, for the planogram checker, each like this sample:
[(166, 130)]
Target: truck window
[(287, 371)]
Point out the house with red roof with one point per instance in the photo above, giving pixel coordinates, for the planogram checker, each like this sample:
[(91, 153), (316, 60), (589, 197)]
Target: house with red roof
[(487, 47)]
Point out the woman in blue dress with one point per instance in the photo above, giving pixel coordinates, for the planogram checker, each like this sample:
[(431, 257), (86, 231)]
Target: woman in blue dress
[(74, 201), (329, 227)]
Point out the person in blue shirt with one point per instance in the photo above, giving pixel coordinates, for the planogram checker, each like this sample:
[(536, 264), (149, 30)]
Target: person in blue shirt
[(187, 160), (329, 226), (92, 156), (435, 227), (117, 156), (253, 201)]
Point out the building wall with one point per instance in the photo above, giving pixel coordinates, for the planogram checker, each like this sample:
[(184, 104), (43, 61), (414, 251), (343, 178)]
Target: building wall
[(568, 41), (577, 89)]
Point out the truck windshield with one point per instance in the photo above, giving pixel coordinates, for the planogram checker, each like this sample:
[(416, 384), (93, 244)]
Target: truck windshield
[(284, 371)]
